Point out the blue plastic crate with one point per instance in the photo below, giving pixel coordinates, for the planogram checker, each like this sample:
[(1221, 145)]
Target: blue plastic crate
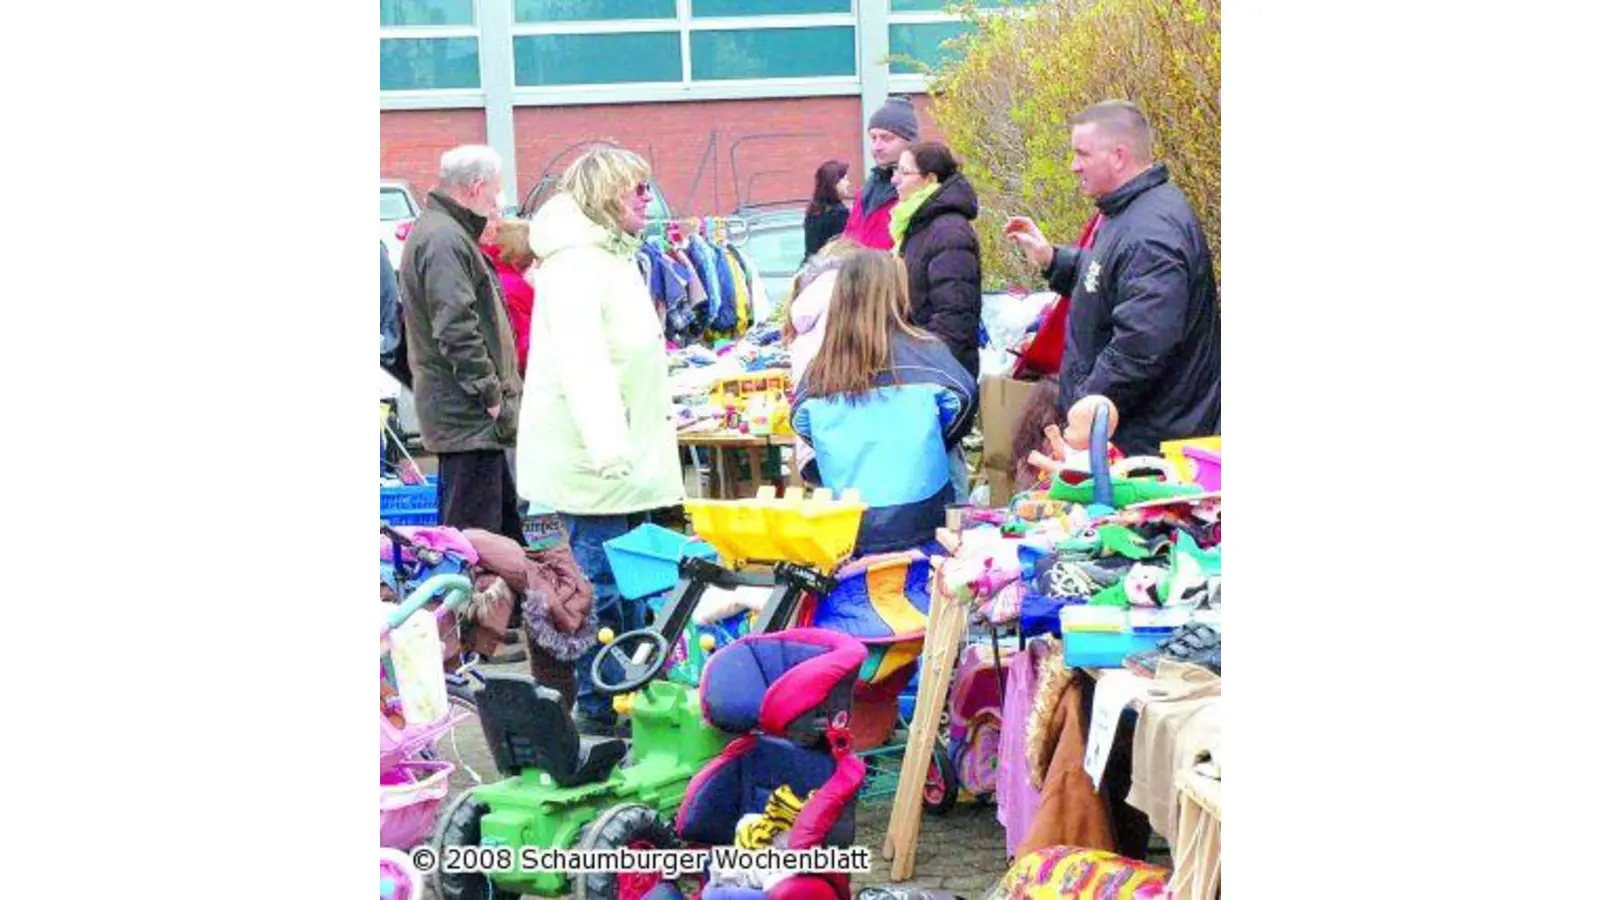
[(409, 498), (411, 517), (645, 560), (1106, 650)]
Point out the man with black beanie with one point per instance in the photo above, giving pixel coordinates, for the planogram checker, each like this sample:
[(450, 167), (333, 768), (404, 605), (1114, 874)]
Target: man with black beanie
[(892, 129)]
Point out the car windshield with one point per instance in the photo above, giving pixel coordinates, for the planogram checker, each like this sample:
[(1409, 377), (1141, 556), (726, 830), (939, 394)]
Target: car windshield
[(394, 204), (777, 250)]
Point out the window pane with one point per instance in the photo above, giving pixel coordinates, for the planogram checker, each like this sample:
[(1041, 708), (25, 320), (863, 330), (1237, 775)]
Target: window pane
[(922, 42), (424, 12), (417, 64), (939, 5), (597, 58), (591, 10), (708, 8), (772, 53)]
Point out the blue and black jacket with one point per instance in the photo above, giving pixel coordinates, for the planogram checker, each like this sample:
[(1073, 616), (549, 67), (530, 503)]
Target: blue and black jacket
[(892, 444)]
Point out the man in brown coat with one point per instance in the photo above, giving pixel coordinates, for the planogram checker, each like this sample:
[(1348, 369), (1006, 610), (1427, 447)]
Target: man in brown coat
[(461, 347)]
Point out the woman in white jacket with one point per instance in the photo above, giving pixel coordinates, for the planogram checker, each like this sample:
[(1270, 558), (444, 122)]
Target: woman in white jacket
[(597, 440)]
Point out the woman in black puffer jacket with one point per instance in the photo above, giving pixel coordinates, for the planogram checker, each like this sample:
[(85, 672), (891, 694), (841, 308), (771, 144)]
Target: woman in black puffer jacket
[(932, 228)]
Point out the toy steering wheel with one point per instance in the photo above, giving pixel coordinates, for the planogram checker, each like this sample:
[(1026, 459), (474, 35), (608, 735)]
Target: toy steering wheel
[(647, 659)]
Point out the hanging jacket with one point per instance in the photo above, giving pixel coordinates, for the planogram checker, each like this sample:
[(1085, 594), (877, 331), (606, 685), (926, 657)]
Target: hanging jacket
[(943, 271), (727, 309), (893, 443), (705, 264), (1144, 328), (599, 408), (741, 291)]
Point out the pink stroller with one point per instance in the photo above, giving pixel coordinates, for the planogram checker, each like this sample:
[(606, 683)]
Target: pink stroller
[(411, 689)]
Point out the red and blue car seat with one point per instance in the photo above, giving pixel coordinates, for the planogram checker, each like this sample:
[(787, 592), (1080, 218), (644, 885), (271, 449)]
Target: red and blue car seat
[(787, 696)]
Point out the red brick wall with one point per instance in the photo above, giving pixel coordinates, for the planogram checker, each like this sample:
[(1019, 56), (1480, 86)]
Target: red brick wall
[(410, 142), (676, 136)]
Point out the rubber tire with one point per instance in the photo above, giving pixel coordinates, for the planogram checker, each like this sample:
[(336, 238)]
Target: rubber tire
[(617, 827), (458, 827), (947, 772)]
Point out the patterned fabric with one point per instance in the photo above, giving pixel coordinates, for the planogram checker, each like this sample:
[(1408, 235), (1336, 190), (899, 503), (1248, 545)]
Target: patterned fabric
[(1077, 874), (757, 832)]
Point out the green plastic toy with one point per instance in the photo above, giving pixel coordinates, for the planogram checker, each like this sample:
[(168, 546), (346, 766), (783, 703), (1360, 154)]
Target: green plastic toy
[(1125, 492), (564, 790)]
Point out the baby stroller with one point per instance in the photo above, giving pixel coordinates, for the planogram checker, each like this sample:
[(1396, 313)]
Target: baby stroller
[(788, 697), (414, 712)]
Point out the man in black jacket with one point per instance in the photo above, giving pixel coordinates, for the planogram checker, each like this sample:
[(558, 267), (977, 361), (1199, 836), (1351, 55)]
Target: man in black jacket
[(1144, 327)]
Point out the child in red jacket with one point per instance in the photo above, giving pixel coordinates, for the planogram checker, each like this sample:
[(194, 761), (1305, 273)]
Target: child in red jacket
[(508, 247)]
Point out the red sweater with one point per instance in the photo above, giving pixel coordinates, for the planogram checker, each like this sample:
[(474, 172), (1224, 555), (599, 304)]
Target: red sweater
[(519, 303)]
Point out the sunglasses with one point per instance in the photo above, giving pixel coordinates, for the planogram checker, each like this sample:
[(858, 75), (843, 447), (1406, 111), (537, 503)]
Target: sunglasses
[(642, 191)]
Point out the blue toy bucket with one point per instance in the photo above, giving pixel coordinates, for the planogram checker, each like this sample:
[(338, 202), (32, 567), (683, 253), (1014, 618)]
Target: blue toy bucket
[(645, 560)]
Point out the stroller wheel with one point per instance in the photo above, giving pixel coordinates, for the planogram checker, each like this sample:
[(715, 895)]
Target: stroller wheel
[(631, 825), (459, 826), (941, 789)]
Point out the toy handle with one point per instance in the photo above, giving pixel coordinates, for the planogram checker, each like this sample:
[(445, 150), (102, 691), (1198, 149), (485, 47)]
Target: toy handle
[(459, 588), (1100, 454)]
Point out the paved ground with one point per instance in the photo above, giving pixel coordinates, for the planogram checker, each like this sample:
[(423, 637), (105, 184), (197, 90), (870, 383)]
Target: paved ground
[(962, 851)]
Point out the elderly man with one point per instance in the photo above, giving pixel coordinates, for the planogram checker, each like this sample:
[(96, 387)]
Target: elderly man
[(462, 350), (1144, 327), (892, 129)]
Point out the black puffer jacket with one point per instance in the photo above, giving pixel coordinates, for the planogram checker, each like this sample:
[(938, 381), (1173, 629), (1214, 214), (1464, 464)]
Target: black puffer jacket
[(1144, 328), (941, 253)]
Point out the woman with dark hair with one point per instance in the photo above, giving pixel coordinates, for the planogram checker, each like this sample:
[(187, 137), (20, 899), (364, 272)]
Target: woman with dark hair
[(932, 230), (828, 211)]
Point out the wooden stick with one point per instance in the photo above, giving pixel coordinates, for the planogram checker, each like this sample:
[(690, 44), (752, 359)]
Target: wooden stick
[(941, 646)]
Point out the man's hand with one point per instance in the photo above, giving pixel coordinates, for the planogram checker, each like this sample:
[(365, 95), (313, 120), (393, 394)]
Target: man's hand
[(1022, 231), (494, 411)]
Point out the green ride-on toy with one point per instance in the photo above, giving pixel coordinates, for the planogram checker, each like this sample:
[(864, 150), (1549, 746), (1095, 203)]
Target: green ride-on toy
[(572, 791)]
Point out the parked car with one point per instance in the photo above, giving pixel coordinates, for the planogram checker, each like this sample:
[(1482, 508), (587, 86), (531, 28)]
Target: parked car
[(397, 210), (777, 244)]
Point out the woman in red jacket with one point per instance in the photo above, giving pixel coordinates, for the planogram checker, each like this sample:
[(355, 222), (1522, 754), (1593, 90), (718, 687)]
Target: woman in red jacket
[(508, 246)]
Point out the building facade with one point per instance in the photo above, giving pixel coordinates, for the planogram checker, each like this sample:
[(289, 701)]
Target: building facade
[(734, 102)]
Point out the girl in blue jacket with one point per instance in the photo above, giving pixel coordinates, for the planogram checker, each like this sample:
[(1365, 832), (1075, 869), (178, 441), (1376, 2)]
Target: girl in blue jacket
[(882, 404)]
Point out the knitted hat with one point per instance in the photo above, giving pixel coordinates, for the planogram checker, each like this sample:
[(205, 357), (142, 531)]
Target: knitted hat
[(896, 115)]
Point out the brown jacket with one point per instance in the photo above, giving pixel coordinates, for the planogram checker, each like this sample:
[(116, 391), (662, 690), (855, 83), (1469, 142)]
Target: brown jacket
[(1070, 812), (553, 574), (462, 350)]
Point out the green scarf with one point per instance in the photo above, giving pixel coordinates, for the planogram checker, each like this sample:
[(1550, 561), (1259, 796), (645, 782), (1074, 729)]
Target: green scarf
[(900, 216), (622, 243)]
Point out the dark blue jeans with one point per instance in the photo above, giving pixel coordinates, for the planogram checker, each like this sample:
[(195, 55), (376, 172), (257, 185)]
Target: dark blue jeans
[(587, 536)]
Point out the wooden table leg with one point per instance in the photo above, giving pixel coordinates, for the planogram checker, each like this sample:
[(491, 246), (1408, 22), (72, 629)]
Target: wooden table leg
[(719, 457), (941, 646)]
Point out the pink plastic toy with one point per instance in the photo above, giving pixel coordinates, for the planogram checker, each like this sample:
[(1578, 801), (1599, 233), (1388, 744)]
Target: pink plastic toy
[(1207, 467)]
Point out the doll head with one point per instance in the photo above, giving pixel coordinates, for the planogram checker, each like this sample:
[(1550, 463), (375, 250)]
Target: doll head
[(1080, 421)]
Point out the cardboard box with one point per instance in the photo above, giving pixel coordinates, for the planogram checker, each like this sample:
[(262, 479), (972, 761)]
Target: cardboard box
[(1000, 402)]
